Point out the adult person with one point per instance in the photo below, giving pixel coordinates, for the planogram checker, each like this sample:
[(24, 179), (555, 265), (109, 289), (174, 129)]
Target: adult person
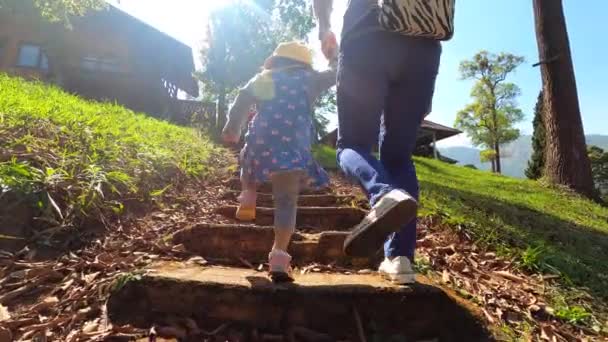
[(386, 81)]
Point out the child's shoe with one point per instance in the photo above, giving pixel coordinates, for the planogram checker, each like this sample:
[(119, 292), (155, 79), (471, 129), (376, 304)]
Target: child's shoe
[(280, 266), (246, 209), (246, 214), (398, 270)]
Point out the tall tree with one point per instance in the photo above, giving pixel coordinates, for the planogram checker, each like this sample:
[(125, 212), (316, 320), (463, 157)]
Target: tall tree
[(490, 119), (53, 10), (536, 164), (567, 162), (241, 36), (486, 156)]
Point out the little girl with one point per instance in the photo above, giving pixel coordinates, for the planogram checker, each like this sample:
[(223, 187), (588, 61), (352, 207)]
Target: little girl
[(278, 141)]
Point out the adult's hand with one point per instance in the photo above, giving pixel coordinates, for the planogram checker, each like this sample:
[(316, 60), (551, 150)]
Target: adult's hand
[(329, 44)]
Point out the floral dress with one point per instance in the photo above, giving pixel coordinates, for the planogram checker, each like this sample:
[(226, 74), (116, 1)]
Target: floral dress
[(279, 136)]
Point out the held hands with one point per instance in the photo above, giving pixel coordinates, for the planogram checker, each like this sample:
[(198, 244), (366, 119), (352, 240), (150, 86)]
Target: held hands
[(329, 45)]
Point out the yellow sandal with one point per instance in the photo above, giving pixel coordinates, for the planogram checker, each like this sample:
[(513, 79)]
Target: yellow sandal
[(246, 214)]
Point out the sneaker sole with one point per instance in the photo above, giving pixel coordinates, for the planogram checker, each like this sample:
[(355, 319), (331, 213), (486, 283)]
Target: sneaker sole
[(368, 237), (400, 279), (281, 277)]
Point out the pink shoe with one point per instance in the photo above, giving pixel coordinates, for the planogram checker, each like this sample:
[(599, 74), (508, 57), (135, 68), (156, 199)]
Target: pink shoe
[(280, 266)]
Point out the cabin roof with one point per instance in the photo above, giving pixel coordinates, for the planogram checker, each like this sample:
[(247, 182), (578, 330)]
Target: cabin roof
[(425, 134)]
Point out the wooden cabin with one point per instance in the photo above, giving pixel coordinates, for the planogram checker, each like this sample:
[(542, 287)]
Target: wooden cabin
[(106, 55), (428, 136)]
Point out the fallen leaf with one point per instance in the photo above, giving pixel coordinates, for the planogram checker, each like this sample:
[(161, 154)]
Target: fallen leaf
[(90, 277), (547, 333), (67, 284), (198, 260), (46, 303), (510, 276), (488, 316), (445, 277), (90, 326), (4, 314)]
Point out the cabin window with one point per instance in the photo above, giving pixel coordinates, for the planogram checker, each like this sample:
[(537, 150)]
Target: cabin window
[(100, 64), (32, 56)]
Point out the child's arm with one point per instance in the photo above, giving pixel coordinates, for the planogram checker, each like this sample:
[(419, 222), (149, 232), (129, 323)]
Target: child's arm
[(237, 115), (324, 80)]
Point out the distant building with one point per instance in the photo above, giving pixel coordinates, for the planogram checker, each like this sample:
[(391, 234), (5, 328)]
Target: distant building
[(108, 55), (428, 136)]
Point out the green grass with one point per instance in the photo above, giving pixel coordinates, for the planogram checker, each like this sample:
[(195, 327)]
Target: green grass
[(75, 159), (326, 156), (544, 229), (547, 230)]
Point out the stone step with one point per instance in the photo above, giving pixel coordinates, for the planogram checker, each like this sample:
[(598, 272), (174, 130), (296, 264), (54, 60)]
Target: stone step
[(235, 184), (327, 200), (316, 218), (251, 243), (329, 303)]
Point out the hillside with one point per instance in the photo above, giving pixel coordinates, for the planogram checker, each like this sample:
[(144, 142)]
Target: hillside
[(516, 157), (517, 216), (67, 163)]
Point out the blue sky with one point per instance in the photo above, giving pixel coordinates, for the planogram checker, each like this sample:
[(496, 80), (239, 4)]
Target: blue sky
[(496, 25)]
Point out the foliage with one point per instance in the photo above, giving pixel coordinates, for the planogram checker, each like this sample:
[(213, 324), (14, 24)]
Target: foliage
[(536, 164), (486, 156), (325, 105), (241, 36), (326, 156), (76, 160), (572, 314), (53, 10), (599, 168), (489, 120)]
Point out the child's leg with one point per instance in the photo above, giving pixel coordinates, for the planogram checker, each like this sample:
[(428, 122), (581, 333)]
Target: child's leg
[(247, 200), (286, 189)]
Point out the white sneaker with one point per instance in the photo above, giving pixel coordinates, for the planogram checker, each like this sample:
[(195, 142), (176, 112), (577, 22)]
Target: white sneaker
[(392, 211), (398, 270), (280, 266)]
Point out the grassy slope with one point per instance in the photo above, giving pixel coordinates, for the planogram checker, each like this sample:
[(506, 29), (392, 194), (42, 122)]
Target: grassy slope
[(548, 230), (88, 156)]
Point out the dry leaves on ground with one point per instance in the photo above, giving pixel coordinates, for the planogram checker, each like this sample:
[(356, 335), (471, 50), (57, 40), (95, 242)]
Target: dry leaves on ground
[(506, 295)]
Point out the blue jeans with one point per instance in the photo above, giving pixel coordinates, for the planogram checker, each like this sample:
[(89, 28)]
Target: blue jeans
[(385, 88)]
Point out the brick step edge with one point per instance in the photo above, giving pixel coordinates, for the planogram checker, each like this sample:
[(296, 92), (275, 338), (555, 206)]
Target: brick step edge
[(235, 184), (319, 218), (328, 200), (322, 302), (251, 243)]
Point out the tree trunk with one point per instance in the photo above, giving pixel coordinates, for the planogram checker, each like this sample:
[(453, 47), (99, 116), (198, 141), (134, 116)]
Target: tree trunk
[(497, 158), (221, 110), (567, 162)]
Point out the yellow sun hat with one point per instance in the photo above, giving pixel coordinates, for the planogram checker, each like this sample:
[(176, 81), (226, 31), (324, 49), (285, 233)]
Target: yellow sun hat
[(293, 50)]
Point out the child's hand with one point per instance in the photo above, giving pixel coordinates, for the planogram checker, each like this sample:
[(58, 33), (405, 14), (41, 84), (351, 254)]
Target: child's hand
[(329, 45)]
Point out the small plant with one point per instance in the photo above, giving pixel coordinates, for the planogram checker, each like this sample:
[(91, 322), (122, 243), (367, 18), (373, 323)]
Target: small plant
[(573, 314), (422, 265), (124, 279), (532, 258)]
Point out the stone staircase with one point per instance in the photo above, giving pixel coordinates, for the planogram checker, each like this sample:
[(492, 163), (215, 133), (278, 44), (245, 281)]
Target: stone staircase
[(345, 300)]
